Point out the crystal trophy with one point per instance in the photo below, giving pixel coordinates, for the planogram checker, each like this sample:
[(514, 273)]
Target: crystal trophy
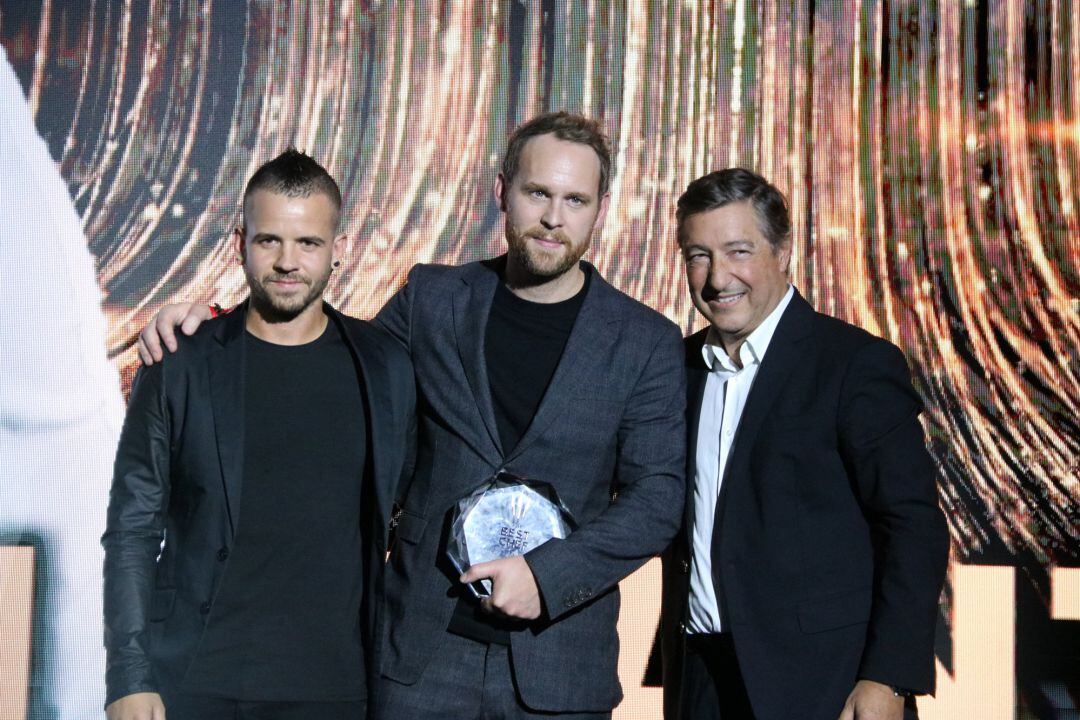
[(504, 517)]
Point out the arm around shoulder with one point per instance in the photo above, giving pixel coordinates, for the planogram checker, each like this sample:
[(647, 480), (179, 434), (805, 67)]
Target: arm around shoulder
[(396, 315)]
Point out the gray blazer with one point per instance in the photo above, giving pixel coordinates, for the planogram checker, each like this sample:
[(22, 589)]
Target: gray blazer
[(609, 435)]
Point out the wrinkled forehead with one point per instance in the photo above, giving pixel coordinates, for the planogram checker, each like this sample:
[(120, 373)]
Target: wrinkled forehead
[(731, 222)]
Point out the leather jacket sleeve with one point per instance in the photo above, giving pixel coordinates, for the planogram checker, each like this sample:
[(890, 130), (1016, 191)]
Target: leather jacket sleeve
[(135, 528)]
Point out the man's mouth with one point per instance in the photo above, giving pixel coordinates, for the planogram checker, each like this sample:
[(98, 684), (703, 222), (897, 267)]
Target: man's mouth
[(286, 283), (548, 242), (727, 300)]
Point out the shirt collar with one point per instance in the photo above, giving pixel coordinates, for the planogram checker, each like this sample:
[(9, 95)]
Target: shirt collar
[(752, 351)]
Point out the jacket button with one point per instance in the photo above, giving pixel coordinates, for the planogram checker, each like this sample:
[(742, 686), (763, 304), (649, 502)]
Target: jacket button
[(205, 608), (223, 554)]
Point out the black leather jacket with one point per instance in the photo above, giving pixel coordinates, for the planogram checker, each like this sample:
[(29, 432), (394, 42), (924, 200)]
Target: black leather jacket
[(176, 490)]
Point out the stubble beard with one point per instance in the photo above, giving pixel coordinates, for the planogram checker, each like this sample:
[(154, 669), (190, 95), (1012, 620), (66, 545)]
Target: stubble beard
[(278, 309)]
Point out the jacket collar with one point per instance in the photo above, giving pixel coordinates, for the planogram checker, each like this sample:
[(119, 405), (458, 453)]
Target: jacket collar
[(592, 334)]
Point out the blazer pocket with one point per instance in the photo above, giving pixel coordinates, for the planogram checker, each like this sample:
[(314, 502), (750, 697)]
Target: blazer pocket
[(161, 604), (410, 528), (835, 612)]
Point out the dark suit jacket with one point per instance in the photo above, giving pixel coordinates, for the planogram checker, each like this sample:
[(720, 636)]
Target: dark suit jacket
[(829, 548), (612, 421), (178, 471)]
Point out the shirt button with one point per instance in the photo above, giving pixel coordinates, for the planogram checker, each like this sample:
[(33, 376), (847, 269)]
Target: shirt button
[(205, 608), (223, 554)]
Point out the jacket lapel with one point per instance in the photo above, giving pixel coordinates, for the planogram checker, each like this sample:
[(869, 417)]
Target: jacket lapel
[(783, 355), (376, 393), (583, 359), (226, 374), (696, 375), (472, 306)]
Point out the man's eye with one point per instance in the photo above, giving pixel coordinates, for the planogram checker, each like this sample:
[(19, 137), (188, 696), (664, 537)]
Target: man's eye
[(537, 194), (575, 201), (696, 259)]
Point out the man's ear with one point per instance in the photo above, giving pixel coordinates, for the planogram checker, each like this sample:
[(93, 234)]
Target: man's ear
[(601, 216), (783, 255), (500, 192), (239, 241), (342, 243)]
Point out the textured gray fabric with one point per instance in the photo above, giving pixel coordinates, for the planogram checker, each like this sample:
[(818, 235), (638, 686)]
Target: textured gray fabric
[(465, 680), (611, 422)]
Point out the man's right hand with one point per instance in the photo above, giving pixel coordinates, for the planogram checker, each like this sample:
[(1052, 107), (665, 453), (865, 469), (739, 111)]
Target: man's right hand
[(161, 330), (137, 706)]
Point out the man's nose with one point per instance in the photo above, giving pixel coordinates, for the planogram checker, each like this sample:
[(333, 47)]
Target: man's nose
[(719, 274), (287, 258), (552, 217)]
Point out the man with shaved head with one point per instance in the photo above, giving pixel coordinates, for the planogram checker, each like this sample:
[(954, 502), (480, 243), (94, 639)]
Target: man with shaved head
[(253, 486)]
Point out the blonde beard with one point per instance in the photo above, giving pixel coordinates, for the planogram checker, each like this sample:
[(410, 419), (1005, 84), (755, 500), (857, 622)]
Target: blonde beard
[(538, 264)]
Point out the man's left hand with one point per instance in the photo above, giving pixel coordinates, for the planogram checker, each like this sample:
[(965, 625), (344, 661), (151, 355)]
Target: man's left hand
[(513, 587), (872, 701)]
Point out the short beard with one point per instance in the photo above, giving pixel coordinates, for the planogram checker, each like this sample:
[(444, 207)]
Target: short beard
[(273, 311), (536, 265)]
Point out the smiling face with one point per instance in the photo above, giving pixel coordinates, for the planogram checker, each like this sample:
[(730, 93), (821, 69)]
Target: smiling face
[(552, 205), (288, 247), (736, 276)]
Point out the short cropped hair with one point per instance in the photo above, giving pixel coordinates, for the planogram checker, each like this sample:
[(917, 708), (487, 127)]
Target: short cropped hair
[(294, 174), (565, 126), (734, 185)]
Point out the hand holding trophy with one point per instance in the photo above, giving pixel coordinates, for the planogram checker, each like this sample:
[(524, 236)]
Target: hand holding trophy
[(505, 517)]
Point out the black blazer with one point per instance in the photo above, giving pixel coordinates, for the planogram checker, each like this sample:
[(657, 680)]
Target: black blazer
[(828, 545), (611, 422), (177, 476)]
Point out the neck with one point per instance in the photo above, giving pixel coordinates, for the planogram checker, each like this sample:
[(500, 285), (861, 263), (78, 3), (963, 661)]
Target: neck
[(543, 289), (297, 330), (732, 347)]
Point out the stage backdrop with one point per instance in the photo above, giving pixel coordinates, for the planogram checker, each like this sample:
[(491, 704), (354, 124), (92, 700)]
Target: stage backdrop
[(931, 152)]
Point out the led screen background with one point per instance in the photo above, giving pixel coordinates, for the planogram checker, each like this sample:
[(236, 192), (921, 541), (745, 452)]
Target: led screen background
[(930, 151)]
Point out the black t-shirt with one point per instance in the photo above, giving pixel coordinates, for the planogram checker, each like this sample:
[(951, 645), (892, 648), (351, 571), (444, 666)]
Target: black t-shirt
[(523, 343), (286, 621)]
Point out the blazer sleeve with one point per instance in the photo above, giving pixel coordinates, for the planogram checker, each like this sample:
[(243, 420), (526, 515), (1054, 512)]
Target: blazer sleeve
[(882, 443), (135, 528), (395, 317), (650, 479)]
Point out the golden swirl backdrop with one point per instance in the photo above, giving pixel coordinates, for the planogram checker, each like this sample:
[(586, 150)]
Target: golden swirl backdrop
[(930, 150)]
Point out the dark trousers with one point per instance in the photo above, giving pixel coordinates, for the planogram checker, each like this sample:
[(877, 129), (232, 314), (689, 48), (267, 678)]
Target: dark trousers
[(183, 706), (713, 687), (465, 680), (712, 684)]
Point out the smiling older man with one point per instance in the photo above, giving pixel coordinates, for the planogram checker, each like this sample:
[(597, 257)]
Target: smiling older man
[(805, 584)]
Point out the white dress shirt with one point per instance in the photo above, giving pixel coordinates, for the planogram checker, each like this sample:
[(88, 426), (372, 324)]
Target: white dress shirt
[(726, 390)]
